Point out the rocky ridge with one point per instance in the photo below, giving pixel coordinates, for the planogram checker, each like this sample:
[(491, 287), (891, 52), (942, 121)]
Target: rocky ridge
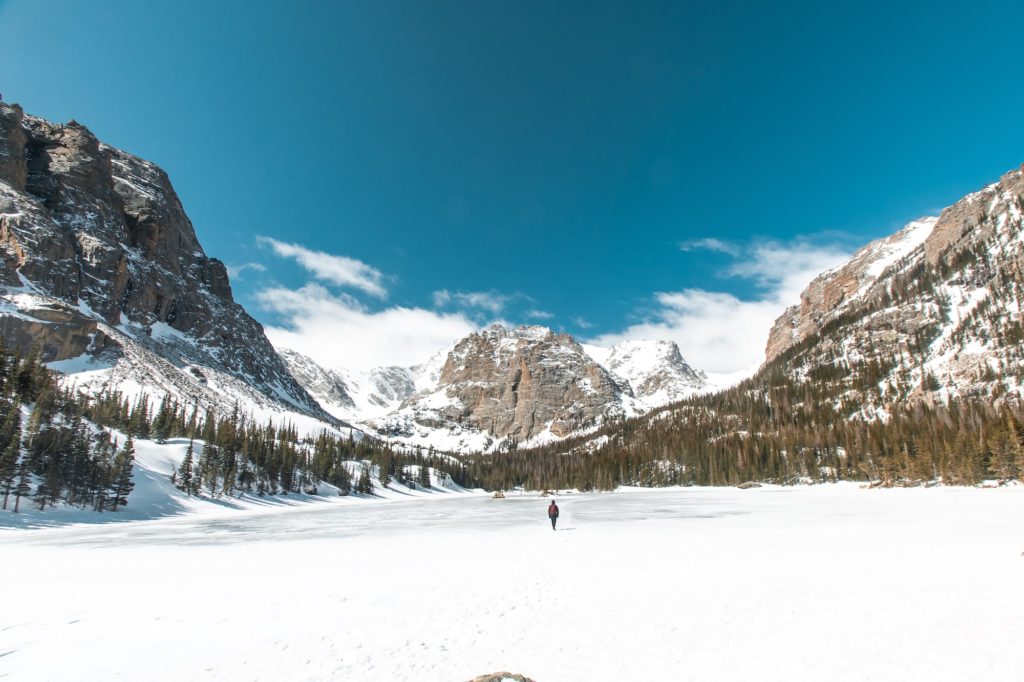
[(101, 269), (933, 311), (501, 386)]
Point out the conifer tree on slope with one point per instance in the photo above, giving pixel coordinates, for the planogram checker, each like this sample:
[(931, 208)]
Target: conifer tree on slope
[(122, 481), (24, 486), (9, 464), (185, 472)]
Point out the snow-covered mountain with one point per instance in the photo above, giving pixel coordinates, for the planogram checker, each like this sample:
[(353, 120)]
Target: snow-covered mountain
[(101, 270), (353, 394), (654, 371), (932, 311), (844, 286), (499, 386)]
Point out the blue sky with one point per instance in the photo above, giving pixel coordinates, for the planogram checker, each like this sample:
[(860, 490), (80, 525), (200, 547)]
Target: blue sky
[(382, 176)]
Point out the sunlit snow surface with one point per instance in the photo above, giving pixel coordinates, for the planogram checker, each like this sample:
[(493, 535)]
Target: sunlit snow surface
[(806, 583)]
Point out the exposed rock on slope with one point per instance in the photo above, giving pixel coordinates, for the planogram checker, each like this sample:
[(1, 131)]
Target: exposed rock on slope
[(836, 289), (934, 310), (98, 259), (501, 385), (520, 382)]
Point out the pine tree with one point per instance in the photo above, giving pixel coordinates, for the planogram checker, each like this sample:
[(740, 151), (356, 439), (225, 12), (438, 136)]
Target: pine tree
[(185, 472), (122, 484), (24, 486), (9, 465), (365, 484)]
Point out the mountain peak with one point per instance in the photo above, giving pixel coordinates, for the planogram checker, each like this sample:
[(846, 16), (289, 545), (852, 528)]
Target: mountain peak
[(101, 267)]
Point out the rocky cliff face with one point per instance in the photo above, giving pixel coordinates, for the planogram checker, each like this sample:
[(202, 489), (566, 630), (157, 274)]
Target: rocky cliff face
[(837, 289), (933, 310), (498, 386), (99, 262), (523, 381)]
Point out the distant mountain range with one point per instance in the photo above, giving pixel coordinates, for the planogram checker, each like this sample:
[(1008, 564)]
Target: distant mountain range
[(498, 387), (100, 269)]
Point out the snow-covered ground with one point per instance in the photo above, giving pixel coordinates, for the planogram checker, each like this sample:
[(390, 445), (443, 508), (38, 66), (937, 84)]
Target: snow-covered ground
[(806, 583)]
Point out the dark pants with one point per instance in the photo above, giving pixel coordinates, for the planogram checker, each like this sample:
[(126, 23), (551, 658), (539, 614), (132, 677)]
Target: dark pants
[(554, 520)]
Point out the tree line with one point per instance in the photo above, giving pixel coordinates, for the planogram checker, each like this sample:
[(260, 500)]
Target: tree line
[(778, 430), (57, 446), (49, 451)]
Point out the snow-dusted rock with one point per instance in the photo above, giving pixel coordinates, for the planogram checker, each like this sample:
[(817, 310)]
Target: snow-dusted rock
[(526, 385), (101, 268), (932, 311)]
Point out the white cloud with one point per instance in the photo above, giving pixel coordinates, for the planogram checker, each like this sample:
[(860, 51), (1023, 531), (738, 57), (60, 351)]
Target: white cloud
[(337, 331), (723, 333), (581, 323), (710, 244), (490, 301), (539, 314), (235, 271), (340, 270), (442, 298)]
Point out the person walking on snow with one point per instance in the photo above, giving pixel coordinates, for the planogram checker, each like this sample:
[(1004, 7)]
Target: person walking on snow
[(553, 513)]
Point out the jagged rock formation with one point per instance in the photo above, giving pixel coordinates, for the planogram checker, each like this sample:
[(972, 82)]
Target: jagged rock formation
[(523, 381), (500, 386), (99, 262), (933, 311)]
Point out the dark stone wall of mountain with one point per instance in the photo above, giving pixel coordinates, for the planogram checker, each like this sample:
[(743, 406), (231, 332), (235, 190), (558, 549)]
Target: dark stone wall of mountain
[(104, 232)]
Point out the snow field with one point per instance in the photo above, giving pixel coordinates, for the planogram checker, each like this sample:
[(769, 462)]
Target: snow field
[(807, 583)]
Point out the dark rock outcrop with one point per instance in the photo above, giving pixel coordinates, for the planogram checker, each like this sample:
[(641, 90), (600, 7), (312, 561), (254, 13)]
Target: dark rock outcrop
[(96, 249)]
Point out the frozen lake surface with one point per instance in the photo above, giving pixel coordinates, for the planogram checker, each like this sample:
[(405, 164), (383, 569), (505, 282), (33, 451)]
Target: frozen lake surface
[(809, 583)]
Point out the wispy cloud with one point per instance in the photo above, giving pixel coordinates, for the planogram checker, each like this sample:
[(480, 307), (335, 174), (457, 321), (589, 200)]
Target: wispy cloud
[(582, 323), (326, 267), (718, 331), (539, 314), (489, 301), (710, 244), (235, 271)]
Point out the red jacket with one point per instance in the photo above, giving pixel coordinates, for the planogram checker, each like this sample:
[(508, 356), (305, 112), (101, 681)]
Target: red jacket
[(553, 510)]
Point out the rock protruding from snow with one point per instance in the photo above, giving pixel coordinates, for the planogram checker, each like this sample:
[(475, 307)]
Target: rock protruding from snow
[(98, 258), (519, 382), (932, 312), (836, 289), (526, 385)]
